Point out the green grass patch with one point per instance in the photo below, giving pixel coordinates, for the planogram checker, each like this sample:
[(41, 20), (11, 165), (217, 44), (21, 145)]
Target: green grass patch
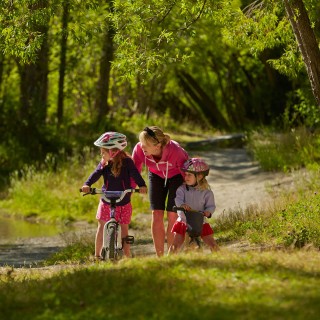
[(275, 284), (289, 223), (224, 285), (285, 151), (54, 197)]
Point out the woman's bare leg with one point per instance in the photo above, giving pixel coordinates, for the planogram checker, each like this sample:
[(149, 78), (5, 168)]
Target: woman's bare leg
[(158, 233), (99, 238), (172, 218)]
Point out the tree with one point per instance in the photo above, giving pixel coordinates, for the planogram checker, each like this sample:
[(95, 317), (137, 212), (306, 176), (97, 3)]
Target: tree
[(307, 42), (63, 55), (101, 103), (34, 76)]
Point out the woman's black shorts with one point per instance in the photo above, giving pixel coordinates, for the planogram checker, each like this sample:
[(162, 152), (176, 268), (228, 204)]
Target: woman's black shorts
[(159, 193)]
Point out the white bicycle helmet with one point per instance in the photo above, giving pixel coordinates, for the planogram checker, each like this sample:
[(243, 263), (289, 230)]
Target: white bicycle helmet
[(110, 140), (196, 165)]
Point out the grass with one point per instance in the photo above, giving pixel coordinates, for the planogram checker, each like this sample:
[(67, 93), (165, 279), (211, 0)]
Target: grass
[(54, 197), (224, 285), (285, 151), (230, 284), (286, 223)]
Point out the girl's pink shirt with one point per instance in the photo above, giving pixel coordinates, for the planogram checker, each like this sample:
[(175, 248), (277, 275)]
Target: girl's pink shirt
[(172, 159)]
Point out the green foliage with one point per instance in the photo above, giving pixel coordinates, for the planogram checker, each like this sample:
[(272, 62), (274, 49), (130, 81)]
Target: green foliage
[(76, 251), (292, 221), (137, 122), (255, 285), (18, 38), (224, 50), (301, 222), (290, 63), (146, 34), (301, 109), (285, 151), (52, 194), (262, 26)]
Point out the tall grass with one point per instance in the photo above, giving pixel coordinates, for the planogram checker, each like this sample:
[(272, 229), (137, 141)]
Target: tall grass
[(54, 197), (295, 224), (286, 151)]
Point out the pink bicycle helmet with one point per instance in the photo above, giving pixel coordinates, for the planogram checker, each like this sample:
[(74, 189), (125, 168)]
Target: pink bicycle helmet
[(196, 165), (110, 140)]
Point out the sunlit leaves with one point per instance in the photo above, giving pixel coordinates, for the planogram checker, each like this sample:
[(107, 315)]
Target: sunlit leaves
[(20, 22), (290, 63), (149, 33)]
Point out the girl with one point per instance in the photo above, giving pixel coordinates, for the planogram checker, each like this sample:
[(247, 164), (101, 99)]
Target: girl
[(195, 194), (164, 158), (117, 169)]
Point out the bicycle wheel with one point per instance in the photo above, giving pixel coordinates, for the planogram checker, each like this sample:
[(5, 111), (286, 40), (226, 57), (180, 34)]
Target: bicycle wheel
[(111, 253), (103, 253)]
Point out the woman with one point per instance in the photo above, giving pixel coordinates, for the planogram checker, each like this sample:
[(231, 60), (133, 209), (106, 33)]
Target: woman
[(163, 157)]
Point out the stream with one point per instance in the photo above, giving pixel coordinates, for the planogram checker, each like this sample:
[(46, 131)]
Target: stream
[(27, 244), (23, 243), (12, 229)]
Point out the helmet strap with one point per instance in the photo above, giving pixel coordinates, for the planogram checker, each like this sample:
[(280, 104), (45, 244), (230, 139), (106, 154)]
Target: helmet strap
[(193, 186), (113, 154)]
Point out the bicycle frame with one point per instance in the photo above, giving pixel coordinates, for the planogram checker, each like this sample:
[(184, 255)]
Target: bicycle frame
[(111, 249), (194, 220)]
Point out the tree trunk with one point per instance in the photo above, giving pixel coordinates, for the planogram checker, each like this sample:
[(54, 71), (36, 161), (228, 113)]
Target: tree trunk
[(101, 103), (63, 54), (1, 71), (307, 42), (34, 88), (208, 106), (34, 91)]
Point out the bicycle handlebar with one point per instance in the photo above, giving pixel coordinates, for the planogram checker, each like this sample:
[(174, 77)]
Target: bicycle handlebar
[(175, 209), (108, 196)]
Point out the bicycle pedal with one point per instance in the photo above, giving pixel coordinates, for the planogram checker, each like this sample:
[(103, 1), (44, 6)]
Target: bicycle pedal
[(128, 239)]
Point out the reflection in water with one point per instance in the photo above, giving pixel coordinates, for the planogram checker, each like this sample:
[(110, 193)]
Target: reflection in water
[(12, 229)]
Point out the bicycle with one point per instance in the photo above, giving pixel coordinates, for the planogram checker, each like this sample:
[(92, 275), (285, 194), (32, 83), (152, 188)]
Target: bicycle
[(194, 220), (111, 249)]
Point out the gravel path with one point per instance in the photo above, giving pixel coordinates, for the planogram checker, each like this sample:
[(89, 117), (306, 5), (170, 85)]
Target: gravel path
[(238, 182), (235, 180)]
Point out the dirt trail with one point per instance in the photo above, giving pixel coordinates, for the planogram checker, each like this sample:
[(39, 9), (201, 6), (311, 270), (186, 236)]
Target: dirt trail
[(235, 180)]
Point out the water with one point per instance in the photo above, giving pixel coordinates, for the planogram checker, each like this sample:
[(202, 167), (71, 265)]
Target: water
[(13, 229), (25, 243)]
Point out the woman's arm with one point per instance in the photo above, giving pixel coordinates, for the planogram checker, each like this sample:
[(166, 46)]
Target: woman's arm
[(138, 156), (135, 174)]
